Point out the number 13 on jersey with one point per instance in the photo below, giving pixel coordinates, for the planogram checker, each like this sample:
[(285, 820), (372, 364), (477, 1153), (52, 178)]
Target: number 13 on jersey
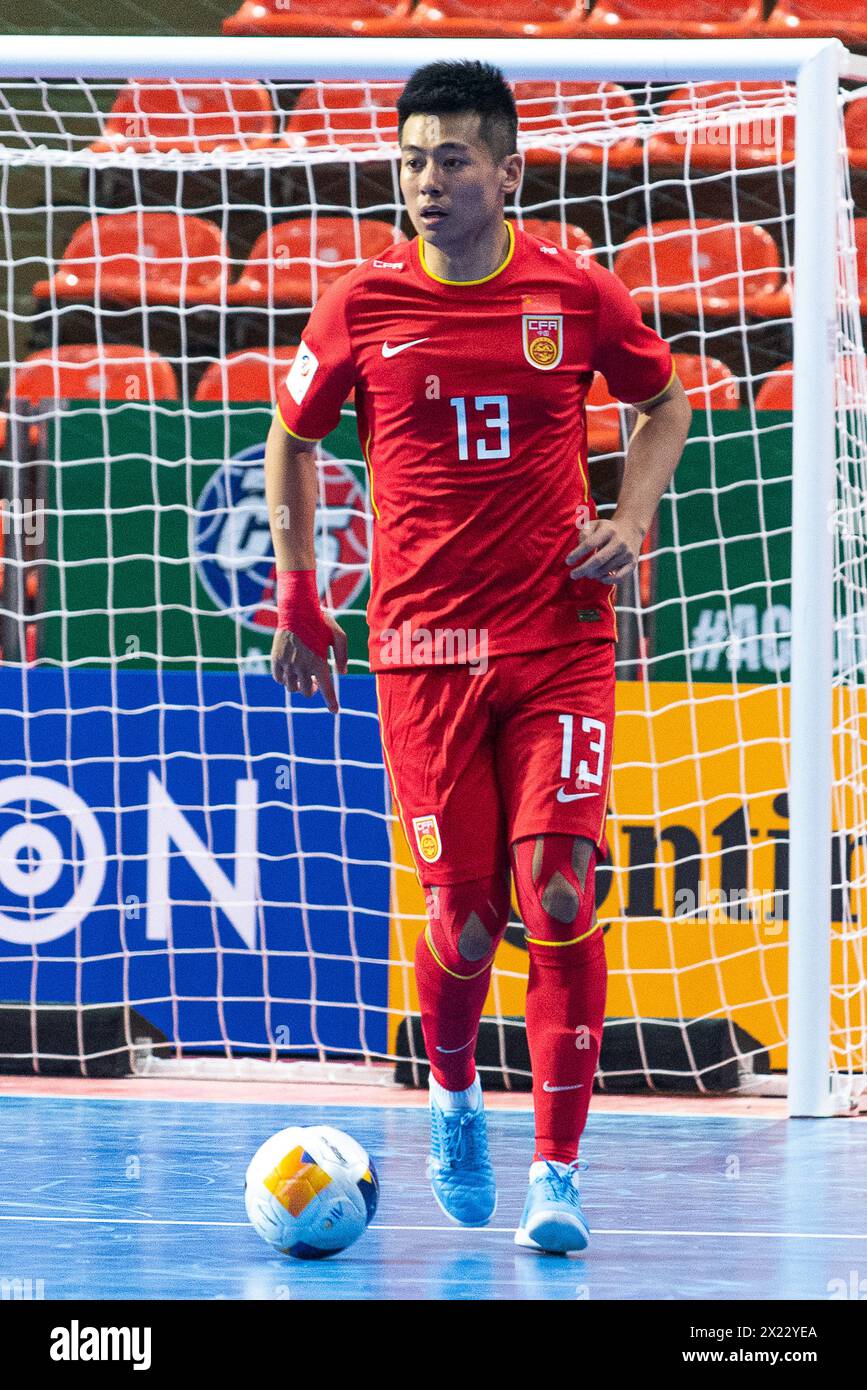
[(491, 433)]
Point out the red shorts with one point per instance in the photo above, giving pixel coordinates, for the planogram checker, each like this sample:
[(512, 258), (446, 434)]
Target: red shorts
[(479, 760)]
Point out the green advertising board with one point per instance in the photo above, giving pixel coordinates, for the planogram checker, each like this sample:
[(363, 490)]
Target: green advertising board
[(722, 600), (158, 547)]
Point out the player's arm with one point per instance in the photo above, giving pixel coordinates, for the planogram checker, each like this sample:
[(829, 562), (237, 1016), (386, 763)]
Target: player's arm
[(637, 365), (299, 654), (308, 408), (652, 456)]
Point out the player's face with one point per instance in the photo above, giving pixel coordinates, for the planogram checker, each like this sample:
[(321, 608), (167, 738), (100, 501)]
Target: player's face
[(452, 185)]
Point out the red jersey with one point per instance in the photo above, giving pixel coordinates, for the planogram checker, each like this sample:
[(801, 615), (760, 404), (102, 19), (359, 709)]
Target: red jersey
[(470, 405)]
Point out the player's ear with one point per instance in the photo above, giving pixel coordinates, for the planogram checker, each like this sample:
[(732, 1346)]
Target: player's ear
[(512, 169)]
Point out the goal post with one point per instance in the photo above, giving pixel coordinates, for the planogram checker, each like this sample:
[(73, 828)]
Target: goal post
[(827, 465), (813, 487)]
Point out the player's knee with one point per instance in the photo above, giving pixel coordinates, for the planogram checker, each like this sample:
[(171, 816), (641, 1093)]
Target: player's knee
[(474, 942), (555, 886), (466, 922), (559, 899)]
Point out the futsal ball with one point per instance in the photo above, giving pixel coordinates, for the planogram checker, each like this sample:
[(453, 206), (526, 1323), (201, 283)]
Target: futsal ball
[(310, 1192)]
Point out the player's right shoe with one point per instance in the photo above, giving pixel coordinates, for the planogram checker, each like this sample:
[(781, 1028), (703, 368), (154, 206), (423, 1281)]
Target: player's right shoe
[(459, 1166), (553, 1221)]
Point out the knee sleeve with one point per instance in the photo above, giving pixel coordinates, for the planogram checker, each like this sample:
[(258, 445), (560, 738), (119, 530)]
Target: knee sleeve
[(466, 922), (557, 896)]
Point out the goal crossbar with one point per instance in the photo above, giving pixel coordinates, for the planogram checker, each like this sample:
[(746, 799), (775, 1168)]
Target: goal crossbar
[(618, 60)]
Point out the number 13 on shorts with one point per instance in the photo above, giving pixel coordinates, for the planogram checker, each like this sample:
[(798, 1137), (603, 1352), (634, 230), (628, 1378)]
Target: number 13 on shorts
[(589, 771)]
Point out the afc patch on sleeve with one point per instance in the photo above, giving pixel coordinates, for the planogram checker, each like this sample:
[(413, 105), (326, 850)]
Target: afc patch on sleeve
[(301, 373)]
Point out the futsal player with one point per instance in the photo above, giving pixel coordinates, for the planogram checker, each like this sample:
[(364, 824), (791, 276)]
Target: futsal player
[(471, 349)]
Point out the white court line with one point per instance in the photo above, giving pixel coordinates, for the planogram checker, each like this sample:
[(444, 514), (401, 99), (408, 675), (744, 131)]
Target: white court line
[(476, 1230), (414, 1101)]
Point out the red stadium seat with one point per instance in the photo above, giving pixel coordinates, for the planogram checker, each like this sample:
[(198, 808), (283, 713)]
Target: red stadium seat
[(141, 257), (810, 19), (561, 233), (249, 375), (344, 113), (775, 392), (286, 262), (192, 117), (661, 19), (779, 305), (506, 19), (328, 18), (720, 123), (856, 132), (591, 121), (704, 267), (708, 383), (91, 372), (604, 417), (860, 228)]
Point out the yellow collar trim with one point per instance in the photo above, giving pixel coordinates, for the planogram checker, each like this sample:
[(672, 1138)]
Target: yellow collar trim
[(499, 270)]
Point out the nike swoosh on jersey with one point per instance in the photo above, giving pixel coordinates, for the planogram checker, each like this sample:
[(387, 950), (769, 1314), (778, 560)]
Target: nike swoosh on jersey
[(389, 351), (546, 1086), (572, 796), (453, 1049)]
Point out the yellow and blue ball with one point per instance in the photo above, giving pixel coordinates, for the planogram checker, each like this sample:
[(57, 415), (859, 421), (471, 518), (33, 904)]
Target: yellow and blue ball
[(311, 1191)]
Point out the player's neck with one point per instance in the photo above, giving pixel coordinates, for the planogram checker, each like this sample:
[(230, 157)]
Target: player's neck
[(474, 261)]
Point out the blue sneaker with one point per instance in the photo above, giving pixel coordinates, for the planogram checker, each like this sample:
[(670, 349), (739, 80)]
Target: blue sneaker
[(459, 1168), (552, 1220)]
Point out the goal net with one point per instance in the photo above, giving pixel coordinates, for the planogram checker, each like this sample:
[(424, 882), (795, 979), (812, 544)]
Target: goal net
[(218, 868)]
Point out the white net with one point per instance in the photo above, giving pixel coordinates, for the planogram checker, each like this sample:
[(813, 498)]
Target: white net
[(178, 841)]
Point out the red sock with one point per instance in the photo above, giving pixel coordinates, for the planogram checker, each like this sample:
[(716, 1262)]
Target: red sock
[(453, 958), (565, 991), (565, 1013)]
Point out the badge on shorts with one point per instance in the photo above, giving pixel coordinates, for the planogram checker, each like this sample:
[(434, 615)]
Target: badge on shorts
[(427, 837), (543, 339)]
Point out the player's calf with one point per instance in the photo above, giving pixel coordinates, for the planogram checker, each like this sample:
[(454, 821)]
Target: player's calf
[(453, 961), (555, 886)]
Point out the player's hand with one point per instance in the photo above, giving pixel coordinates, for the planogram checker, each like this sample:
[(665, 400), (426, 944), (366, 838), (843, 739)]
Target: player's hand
[(298, 668), (611, 550)]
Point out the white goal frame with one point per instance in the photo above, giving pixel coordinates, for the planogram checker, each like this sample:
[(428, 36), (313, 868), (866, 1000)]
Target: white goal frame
[(816, 65)]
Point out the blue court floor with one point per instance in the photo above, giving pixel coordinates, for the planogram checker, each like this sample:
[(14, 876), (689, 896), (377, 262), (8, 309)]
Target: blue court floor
[(144, 1199)]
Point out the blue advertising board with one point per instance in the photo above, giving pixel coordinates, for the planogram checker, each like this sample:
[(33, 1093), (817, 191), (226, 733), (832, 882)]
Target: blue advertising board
[(201, 847)]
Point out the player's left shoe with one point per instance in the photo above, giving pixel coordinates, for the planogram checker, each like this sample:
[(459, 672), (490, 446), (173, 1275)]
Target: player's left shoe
[(553, 1221)]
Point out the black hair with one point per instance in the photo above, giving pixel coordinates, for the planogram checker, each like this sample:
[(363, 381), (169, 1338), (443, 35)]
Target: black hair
[(449, 88)]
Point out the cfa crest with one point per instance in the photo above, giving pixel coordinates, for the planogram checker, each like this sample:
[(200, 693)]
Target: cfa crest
[(427, 837), (543, 340)]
